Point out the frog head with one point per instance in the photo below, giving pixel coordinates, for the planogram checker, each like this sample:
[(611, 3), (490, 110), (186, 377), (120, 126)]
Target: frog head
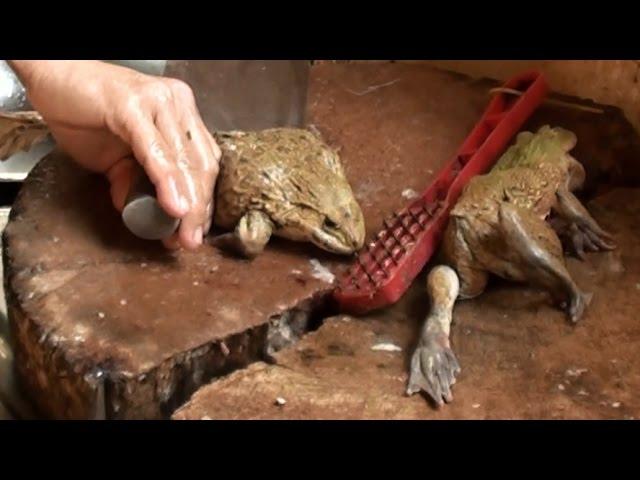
[(319, 205), (338, 226)]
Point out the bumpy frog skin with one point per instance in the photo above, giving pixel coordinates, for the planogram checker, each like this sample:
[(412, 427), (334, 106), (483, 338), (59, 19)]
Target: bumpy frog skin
[(284, 182), (499, 227)]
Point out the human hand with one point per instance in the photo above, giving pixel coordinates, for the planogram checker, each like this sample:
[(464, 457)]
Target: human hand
[(110, 118)]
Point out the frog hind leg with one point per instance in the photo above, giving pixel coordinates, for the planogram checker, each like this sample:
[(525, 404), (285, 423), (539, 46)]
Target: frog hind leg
[(434, 365), (457, 253), (537, 254), (579, 226), (251, 235)]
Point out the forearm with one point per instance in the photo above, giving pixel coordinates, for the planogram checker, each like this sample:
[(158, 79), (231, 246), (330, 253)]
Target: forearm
[(32, 72), (64, 90), (27, 70)]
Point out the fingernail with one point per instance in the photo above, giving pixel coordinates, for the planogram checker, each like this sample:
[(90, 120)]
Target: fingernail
[(197, 236)]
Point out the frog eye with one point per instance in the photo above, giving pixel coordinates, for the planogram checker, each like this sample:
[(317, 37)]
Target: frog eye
[(330, 224)]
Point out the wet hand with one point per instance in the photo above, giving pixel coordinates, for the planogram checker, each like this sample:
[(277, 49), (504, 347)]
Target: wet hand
[(110, 119)]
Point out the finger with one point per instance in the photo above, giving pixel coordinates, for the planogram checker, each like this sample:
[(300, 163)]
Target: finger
[(211, 174), (209, 215), (198, 222), (192, 226), (176, 139), (205, 153), (156, 157), (185, 103), (188, 165), (191, 232), (197, 161), (173, 242), (215, 147), (203, 149), (201, 127)]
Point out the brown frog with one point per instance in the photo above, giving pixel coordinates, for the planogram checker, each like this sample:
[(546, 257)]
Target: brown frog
[(284, 182), (499, 226)]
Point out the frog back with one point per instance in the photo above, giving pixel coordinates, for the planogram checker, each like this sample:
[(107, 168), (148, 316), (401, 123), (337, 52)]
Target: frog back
[(530, 186), (274, 171), (531, 150)]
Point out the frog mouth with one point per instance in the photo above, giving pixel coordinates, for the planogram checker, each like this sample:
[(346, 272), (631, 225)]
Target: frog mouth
[(332, 243)]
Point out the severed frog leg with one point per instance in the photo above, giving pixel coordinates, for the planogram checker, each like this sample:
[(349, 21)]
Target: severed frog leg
[(250, 236), (434, 365)]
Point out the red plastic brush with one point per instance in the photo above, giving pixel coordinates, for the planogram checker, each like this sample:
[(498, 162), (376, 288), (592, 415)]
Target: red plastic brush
[(386, 267)]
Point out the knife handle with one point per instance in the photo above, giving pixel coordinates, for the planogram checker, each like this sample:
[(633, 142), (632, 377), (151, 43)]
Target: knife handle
[(142, 214)]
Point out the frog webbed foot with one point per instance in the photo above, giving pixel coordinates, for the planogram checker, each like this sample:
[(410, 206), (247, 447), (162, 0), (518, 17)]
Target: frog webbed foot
[(578, 305), (574, 241), (250, 236), (583, 238), (434, 367), (576, 225)]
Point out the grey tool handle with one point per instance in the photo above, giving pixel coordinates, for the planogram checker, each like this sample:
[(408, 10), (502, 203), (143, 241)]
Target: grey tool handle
[(143, 215)]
